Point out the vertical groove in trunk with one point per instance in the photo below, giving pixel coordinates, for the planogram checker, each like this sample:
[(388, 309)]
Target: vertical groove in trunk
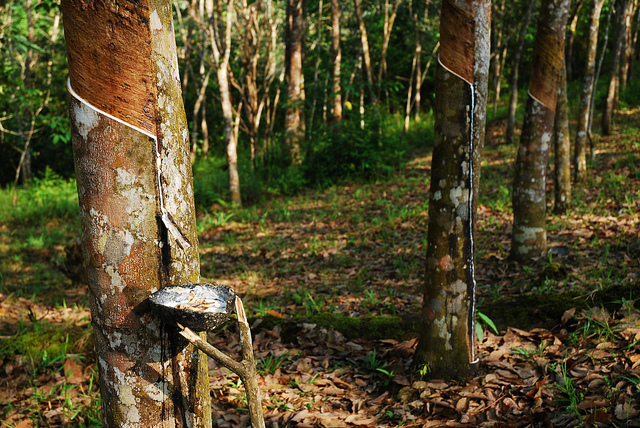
[(131, 152), (585, 97), (562, 144), (446, 344), (529, 235)]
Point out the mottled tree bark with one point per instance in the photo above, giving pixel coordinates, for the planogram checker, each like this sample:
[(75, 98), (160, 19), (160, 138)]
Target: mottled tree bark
[(529, 235), (498, 53), (562, 143), (580, 161), (447, 345), (131, 150), (515, 68), (336, 87), (628, 47), (572, 25), (622, 10), (293, 123)]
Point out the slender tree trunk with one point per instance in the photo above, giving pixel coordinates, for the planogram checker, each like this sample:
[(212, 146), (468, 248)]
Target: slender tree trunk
[(221, 59), (497, 55), (562, 145), (580, 160), (515, 67), (447, 344), (336, 87), (293, 122), (623, 8), (529, 236), (387, 27), (572, 26), (131, 150), (627, 50), (364, 41)]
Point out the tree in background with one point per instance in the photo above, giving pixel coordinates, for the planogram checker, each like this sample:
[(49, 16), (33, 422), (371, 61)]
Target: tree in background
[(529, 235), (294, 128), (562, 146), (446, 345), (336, 87), (515, 73), (580, 156), (131, 149)]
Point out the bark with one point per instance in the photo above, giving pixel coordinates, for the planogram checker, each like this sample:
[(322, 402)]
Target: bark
[(515, 68), (387, 27), (131, 150), (293, 122), (580, 160), (623, 8), (447, 345), (336, 87), (364, 41), (529, 235), (562, 144)]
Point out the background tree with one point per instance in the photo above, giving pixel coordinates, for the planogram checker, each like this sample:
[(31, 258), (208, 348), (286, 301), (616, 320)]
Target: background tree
[(562, 148), (293, 122), (130, 140), (446, 344), (529, 235), (580, 160), (336, 87)]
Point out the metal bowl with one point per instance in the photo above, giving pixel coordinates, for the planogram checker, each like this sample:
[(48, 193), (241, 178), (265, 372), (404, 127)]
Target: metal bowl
[(197, 306)]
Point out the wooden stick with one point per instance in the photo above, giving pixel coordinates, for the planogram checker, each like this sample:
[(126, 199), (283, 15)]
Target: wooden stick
[(246, 368)]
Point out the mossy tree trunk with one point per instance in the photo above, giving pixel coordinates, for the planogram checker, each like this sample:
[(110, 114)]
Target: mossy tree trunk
[(131, 151), (588, 85), (529, 235), (446, 345)]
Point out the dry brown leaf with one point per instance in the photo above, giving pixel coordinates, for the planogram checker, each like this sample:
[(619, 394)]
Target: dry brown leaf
[(25, 423), (360, 421), (567, 315)]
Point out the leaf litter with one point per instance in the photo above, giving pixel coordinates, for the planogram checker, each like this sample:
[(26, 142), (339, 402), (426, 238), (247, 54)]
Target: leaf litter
[(358, 250)]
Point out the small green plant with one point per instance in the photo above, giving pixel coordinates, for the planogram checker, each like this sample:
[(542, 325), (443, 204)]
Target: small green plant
[(424, 370), (270, 363), (569, 395), (371, 361)]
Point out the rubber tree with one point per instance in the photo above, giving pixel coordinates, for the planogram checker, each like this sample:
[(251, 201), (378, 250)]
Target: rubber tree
[(446, 346), (588, 85), (131, 151), (562, 146), (336, 53), (294, 51), (529, 234)]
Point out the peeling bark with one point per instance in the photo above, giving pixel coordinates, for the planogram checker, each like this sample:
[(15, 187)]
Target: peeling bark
[(447, 344), (529, 235), (131, 152)]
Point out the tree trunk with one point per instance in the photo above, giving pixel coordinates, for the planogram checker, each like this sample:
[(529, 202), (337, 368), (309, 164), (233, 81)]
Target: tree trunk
[(221, 52), (446, 347), (515, 67), (580, 160), (529, 235), (623, 8), (562, 145), (293, 123), (131, 150), (336, 87), (498, 54), (572, 26), (364, 41), (387, 27), (627, 49)]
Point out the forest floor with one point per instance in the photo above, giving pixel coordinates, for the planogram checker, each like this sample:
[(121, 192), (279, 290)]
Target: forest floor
[(307, 266)]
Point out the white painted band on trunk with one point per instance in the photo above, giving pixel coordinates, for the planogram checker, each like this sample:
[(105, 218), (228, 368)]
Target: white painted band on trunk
[(170, 225)]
